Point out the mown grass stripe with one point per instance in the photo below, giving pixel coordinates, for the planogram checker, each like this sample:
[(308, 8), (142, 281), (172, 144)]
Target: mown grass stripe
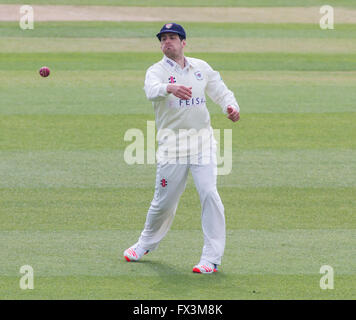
[(266, 208), (109, 29), (109, 169), (278, 91), (227, 45), (142, 60), (91, 252), (182, 286), (105, 132)]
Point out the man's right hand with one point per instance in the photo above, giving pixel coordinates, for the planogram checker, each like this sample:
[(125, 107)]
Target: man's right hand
[(180, 91)]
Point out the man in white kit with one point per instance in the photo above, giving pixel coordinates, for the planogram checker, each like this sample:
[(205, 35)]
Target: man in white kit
[(177, 85)]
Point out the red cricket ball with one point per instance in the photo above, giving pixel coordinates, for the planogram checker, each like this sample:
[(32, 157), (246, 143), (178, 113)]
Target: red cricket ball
[(44, 72)]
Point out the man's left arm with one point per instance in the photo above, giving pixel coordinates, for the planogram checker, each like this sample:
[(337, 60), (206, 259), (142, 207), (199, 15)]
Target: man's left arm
[(220, 94)]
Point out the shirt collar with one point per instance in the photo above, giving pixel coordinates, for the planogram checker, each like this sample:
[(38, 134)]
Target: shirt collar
[(174, 65)]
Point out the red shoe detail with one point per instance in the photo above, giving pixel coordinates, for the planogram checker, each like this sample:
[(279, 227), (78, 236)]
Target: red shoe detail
[(127, 259), (207, 269), (132, 252)]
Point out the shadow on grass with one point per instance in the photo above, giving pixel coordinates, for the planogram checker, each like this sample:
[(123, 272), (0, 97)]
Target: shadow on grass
[(175, 283)]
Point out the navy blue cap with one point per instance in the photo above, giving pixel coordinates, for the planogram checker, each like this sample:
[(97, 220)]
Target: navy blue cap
[(171, 27)]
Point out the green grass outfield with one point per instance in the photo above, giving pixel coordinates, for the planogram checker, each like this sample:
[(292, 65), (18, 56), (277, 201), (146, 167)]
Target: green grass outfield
[(110, 29), (70, 205)]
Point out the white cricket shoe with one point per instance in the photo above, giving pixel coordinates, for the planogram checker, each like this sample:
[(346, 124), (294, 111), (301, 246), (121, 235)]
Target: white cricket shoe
[(205, 267), (134, 253)]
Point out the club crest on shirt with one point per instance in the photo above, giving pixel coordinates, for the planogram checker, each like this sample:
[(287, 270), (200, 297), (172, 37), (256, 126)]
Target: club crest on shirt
[(172, 79), (198, 75)]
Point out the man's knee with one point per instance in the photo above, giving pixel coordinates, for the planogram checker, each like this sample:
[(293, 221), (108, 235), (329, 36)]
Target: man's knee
[(209, 194), (161, 206)]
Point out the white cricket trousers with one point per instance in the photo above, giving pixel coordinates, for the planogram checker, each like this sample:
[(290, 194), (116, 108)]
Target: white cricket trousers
[(170, 183)]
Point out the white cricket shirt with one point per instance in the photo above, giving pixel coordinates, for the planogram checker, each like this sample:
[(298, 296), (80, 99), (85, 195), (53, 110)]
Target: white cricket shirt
[(176, 119)]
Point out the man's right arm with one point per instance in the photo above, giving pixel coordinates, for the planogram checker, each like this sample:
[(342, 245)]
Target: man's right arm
[(154, 88)]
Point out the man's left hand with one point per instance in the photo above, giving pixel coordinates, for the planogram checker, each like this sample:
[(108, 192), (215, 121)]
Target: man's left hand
[(233, 114)]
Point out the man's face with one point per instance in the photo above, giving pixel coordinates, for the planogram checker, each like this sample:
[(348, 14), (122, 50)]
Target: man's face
[(171, 45)]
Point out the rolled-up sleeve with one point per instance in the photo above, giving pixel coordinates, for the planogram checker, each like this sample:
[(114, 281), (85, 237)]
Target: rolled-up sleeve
[(154, 88), (218, 91)]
